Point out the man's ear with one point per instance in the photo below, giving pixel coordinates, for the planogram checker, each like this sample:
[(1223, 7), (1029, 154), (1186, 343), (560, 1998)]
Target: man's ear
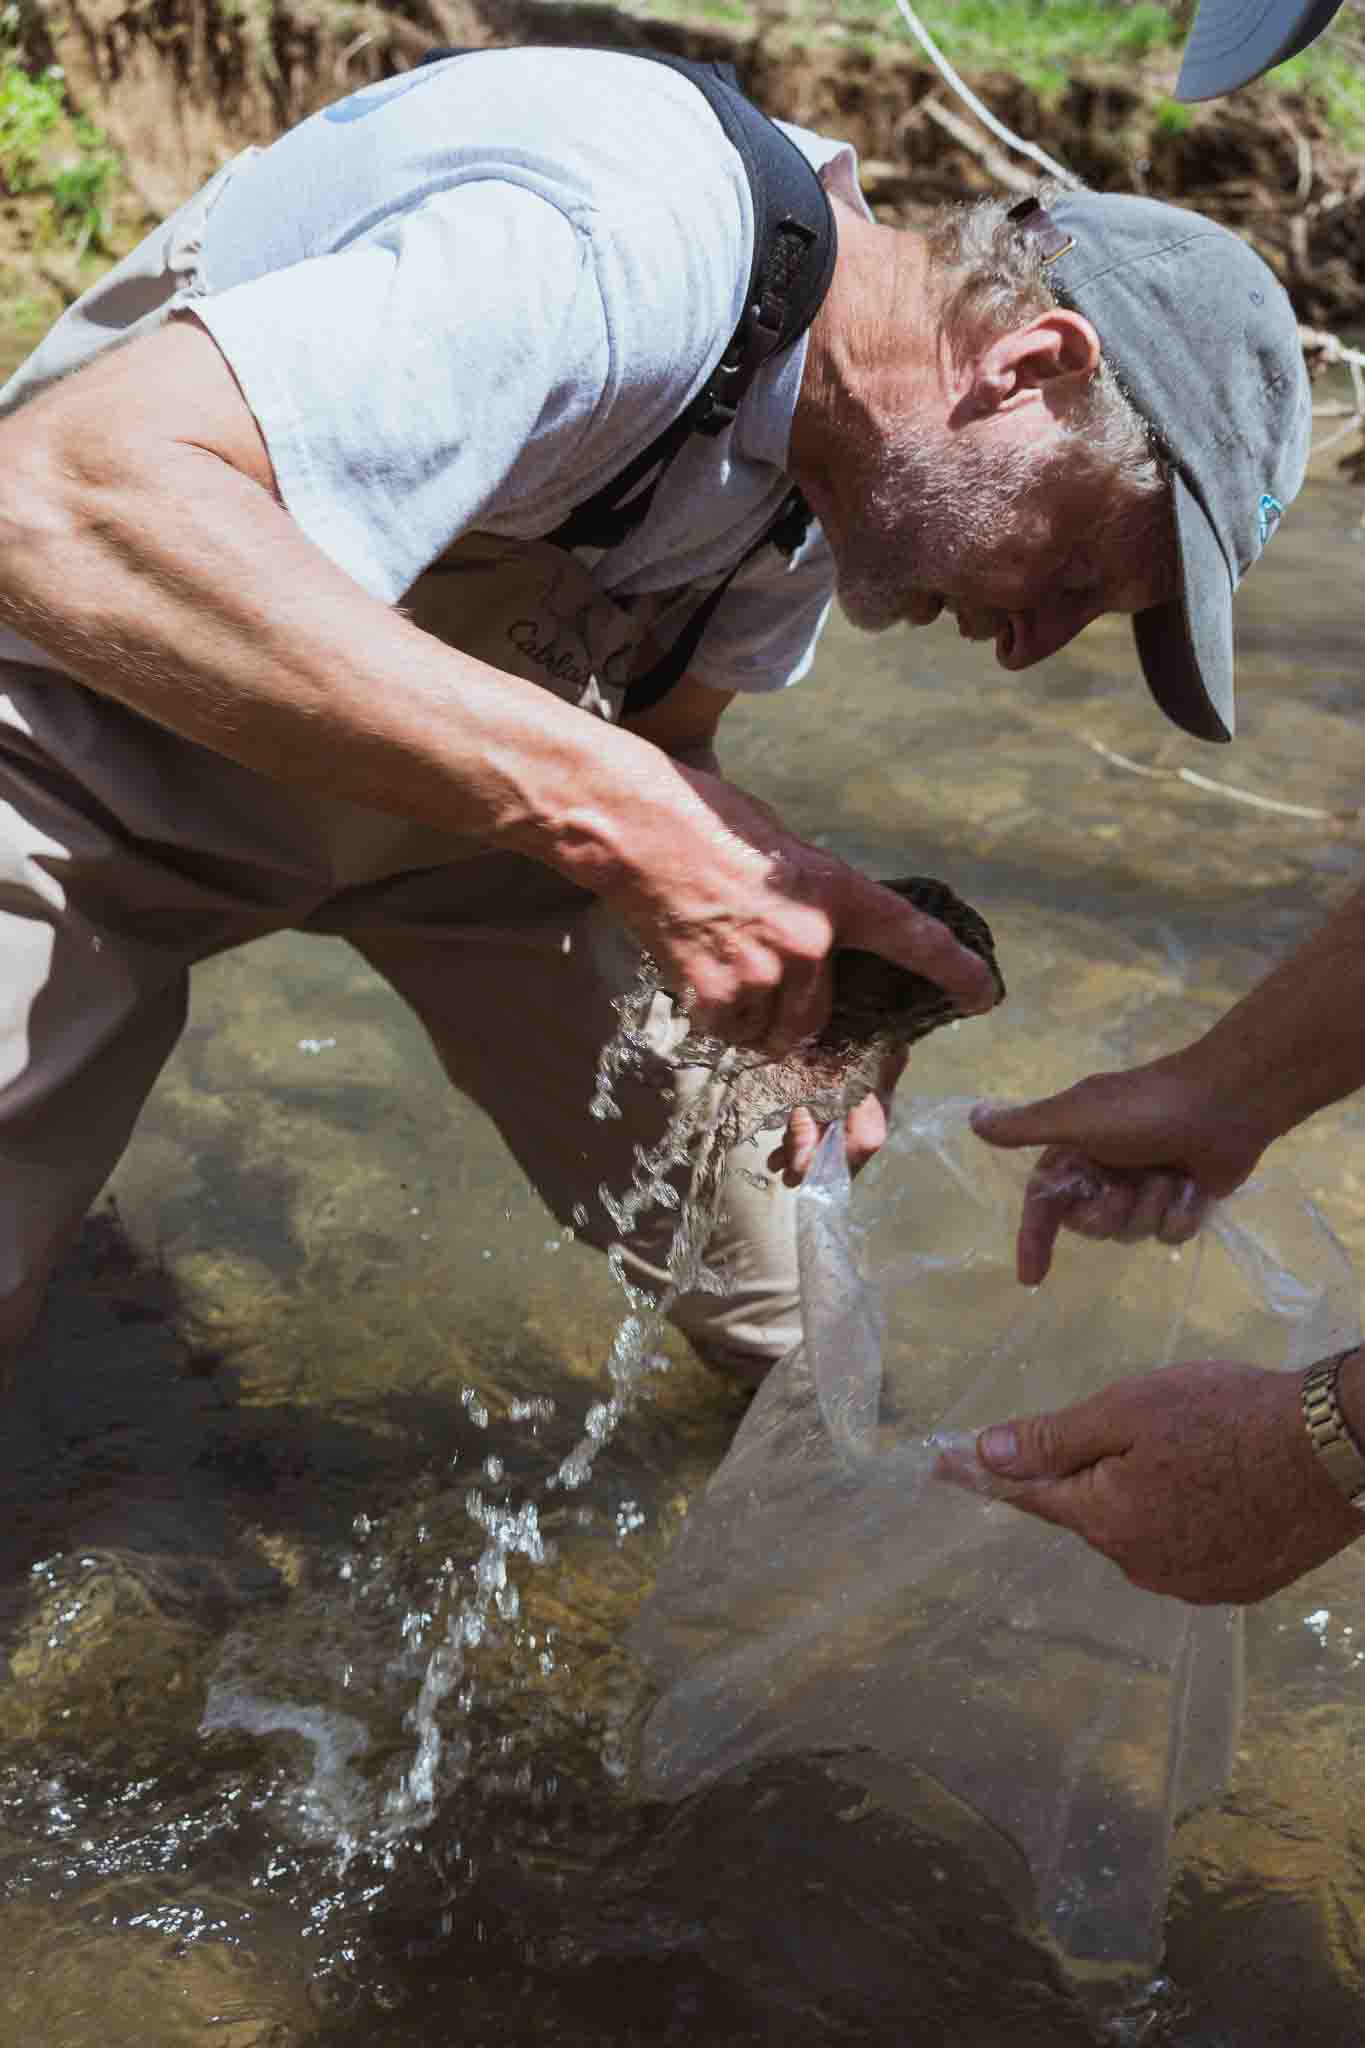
[(1050, 356)]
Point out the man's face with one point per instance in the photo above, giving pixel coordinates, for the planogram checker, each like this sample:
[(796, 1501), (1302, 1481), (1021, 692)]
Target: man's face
[(998, 523)]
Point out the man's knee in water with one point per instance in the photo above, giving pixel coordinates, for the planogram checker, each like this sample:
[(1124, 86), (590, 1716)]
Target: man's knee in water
[(742, 1368)]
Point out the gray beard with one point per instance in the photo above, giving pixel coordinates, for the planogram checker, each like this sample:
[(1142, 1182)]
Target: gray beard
[(936, 507)]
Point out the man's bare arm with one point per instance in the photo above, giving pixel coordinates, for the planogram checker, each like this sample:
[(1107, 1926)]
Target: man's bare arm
[(143, 545)]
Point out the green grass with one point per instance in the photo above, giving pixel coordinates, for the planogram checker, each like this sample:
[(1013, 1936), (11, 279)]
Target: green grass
[(1337, 83), (1172, 117), (81, 184), (47, 152), (1041, 41), (30, 109)]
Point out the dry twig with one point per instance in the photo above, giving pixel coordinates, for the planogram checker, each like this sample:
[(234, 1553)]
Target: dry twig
[(1314, 813), (987, 155)]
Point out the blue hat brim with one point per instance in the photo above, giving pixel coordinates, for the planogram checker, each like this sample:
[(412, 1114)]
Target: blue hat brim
[(1186, 647), (1234, 41)]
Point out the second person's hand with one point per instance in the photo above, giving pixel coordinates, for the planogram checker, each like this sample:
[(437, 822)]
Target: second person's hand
[(1140, 1153), (1197, 1480)]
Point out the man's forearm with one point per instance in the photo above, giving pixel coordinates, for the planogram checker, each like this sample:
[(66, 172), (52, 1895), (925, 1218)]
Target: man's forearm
[(1296, 1042), (187, 593), (143, 545)]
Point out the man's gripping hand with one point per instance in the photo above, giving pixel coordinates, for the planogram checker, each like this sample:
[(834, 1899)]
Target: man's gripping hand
[(866, 1127), (742, 917)]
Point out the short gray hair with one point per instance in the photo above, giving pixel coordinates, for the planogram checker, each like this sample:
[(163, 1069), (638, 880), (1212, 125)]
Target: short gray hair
[(993, 278)]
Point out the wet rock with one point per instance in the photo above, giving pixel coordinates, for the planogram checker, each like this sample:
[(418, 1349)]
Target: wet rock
[(876, 999)]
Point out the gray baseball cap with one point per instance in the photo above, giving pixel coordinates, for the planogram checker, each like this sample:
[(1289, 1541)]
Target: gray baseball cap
[(1233, 41), (1205, 344)]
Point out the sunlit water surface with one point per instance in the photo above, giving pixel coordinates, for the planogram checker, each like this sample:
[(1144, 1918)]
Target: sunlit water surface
[(319, 1348)]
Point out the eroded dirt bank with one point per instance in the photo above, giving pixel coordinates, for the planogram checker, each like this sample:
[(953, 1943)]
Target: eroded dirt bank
[(179, 85)]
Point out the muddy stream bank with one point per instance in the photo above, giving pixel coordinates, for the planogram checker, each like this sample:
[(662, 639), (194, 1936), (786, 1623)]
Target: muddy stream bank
[(180, 85)]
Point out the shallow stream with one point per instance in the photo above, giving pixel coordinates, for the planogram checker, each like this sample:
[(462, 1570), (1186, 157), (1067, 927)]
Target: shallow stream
[(318, 1338)]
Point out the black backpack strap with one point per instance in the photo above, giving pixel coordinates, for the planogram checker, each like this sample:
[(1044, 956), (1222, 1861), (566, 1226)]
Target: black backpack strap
[(795, 242), (786, 533), (795, 245)]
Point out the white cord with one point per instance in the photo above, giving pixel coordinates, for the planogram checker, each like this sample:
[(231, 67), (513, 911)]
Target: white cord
[(1335, 351), (983, 113)]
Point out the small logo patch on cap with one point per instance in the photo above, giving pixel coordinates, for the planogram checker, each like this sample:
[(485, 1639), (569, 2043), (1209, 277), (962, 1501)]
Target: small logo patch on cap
[(1271, 513)]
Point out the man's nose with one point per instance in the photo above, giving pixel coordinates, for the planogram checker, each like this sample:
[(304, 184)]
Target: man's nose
[(1032, 636)]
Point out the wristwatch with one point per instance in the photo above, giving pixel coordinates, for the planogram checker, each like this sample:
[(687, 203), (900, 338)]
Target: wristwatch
[(1327, 1431)]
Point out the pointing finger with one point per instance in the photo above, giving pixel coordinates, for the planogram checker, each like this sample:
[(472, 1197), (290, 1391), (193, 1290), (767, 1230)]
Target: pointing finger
[(1019, 1125)]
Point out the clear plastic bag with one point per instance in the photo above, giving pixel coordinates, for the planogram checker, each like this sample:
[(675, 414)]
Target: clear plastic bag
[(831, 1594)]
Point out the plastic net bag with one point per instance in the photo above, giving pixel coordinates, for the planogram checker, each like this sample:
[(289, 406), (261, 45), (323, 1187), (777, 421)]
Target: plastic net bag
[(830, 1594)]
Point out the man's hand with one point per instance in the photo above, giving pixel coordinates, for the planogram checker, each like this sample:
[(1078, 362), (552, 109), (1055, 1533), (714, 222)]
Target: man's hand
[(865, 1127), (1198, 1480), (1160, 1141), (1129, 1155), (744, 916)]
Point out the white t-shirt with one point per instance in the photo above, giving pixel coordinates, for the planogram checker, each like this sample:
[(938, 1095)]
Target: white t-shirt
[(463, 299)]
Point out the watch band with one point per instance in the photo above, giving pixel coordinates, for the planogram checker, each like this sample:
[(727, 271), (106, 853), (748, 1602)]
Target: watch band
[(1333, 1442)]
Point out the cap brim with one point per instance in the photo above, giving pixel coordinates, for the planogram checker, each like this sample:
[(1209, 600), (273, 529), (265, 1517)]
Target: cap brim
[(1234, 41), (1186, 647)]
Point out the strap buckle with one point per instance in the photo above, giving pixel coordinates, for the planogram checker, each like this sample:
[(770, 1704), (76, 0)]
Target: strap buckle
[(1031, 217)]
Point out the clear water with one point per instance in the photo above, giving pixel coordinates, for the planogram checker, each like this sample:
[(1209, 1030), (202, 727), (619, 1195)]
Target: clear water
[(310, 1731)]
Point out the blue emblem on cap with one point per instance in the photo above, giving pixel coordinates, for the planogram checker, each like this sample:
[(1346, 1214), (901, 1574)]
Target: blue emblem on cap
[(1271, 512)]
